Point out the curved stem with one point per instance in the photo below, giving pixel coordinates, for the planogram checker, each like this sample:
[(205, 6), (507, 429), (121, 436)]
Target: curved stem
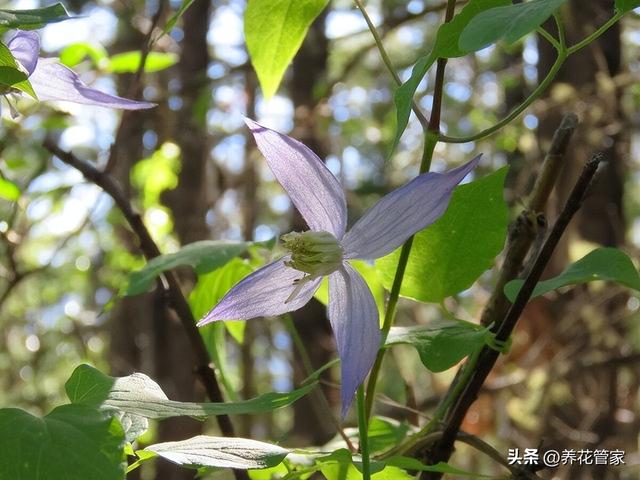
[(540, 89), (595, 35), (363, 422), (387, 61), (563, 53), (431, 136), (431, 139), (562, 34), (548, 37)]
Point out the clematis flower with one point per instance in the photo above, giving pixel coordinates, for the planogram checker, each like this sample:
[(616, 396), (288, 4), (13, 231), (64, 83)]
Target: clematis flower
[(53, 81), (325, 250)]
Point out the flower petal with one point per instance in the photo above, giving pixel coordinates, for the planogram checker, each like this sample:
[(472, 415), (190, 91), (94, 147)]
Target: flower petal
[(53, 81), (354, 318), (314, 190), (263, 294), (25, 47), (403, 212)]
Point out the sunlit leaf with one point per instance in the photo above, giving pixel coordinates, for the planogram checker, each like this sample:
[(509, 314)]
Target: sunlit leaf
[(608, 264), (9, 190), (129, 62), (73, 442), (33, 18), (73, 54), (274, 31), (442, 344), (509, 22), (210, 289), (157, 173), (138, 394), (272, 473), (204, 256), (451, 254), (221, 452), (385, 433)]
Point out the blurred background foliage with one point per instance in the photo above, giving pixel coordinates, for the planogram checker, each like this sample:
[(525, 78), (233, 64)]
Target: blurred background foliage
[(572, 377)]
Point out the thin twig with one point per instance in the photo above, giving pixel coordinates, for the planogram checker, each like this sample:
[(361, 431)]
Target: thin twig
[(135, 87), (147, 45), (176, 298), (523, 229), (387, 62), (442, 450)]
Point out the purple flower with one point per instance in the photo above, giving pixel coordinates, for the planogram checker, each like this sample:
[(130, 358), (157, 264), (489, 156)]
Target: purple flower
[(325, 250), (53, 81)]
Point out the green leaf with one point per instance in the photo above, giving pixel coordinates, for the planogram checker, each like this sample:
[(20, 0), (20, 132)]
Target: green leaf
[(176, 16), (11, 76), (414, 464), (129, 62), (9, 190), (609, 264), (448, 256), (279, 471), (445, 46), (441, 344), (220, 452), (339, 465), (34, 18), (138, 394), (203, 256), (274, 31), (74, 442), (509, 22), (73, 54), (622, 6), (385, 433), (370, 276), (210, 289)]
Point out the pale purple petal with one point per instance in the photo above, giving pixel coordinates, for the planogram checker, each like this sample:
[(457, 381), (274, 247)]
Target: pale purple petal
[(354, 318), (25, 48), (263, 294), (403, 212), (313, 189), (53, 81)]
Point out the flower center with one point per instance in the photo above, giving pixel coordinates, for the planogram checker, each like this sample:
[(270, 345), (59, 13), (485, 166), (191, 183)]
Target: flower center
[(315, 253)]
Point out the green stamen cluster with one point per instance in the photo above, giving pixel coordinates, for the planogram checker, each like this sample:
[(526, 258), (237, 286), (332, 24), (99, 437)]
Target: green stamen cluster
[(315, 253)]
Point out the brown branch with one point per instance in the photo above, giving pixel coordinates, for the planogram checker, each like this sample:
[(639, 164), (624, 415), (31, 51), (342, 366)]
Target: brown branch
[(523, 231), (147, 45), (129, 116), (176, 298), (443, 448)]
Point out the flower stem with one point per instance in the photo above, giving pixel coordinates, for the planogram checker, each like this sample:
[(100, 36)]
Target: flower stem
[(431, 137), (363, 422)]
